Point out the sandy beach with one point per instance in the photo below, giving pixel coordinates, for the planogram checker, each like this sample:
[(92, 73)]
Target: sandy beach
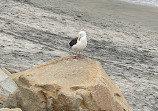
[(122, 36)]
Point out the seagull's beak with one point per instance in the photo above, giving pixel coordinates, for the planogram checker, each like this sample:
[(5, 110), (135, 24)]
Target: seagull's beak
[(79, 38)]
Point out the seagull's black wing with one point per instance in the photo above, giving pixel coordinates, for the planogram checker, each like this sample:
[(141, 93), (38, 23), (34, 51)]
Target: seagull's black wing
[(73, 42)]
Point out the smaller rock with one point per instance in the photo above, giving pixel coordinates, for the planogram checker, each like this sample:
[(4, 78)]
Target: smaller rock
[(1, 106), (11, 101), (7, 85), (6, 72), (7, 109), (2, 100)]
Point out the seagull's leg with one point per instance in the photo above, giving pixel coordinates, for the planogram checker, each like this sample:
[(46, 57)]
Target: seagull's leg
[(76, 52), (81, 56), (77, 55)]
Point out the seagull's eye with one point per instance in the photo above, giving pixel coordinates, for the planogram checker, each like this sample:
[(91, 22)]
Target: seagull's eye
[(79, 38)]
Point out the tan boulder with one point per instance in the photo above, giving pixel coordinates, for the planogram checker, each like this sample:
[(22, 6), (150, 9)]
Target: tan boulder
[(67, 84), (7, 109)]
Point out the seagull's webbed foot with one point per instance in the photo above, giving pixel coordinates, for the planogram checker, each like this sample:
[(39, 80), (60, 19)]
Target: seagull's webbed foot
[(78, 57)]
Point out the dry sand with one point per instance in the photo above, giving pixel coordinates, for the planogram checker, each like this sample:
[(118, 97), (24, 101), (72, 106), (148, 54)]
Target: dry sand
[(122, 36)]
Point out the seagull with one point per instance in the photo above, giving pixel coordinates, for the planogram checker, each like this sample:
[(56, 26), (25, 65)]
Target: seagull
[(79, 43)]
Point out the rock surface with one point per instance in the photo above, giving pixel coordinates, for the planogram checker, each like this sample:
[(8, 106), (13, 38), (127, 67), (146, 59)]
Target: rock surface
[(7, 109), (67, 84)]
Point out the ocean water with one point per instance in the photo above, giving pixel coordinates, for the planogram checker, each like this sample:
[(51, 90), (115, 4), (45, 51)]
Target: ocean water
[(144, 2)]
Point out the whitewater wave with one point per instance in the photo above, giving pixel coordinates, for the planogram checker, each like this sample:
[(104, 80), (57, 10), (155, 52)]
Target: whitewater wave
[(144, 2)]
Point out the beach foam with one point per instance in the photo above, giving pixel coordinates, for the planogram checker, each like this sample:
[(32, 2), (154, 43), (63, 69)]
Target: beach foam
[(144, 2)]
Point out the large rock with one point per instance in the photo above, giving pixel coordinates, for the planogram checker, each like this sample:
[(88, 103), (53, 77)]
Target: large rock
[(7, 109), (67, 84)]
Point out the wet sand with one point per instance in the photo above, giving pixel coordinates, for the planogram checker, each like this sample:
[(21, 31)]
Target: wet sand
[(122, 36), (104, 11)]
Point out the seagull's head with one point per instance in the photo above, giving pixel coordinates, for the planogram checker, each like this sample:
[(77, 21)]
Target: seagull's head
[(81, 34)]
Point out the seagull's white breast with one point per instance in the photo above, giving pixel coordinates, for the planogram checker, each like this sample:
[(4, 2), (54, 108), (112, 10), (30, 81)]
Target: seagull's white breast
[(80, 44)]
